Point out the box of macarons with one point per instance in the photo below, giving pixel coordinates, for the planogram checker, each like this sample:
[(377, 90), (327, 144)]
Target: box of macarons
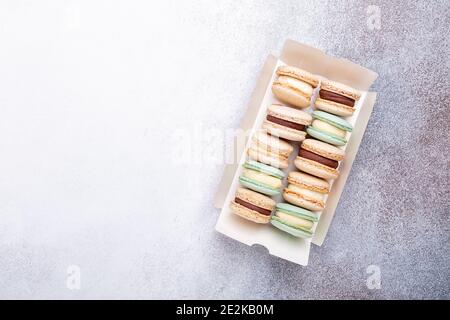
[(302, 130)]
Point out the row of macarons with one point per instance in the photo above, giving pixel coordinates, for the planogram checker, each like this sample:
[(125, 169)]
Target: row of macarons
[(295, 87), (304, 193), (317, 159)]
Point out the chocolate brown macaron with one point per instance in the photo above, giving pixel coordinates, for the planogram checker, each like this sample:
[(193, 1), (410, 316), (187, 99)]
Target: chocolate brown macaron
[(319, 159), (252, 206), (286, 122), (337, 98)]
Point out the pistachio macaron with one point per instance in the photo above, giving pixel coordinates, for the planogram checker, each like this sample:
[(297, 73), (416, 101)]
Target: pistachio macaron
[(270, 150), (252, 205), (329, 128), (286, 122), (306, 191), (294, 220), (261, 178), (319, 159), (294, 86), (337, 98)]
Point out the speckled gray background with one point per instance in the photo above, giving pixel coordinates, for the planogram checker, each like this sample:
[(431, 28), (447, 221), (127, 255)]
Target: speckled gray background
[(90, 92)]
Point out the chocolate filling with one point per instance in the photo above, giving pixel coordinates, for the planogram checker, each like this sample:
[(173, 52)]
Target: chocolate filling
[(285, 123), (315, 157), (336, 97), (252, 207)]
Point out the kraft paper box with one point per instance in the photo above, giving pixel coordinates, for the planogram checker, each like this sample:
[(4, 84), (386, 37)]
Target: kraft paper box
[(315, 61)]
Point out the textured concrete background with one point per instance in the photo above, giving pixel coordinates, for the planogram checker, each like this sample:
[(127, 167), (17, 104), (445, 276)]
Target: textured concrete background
[(91, 176)]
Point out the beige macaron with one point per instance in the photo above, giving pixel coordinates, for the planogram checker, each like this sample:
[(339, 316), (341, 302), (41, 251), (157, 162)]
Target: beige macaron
[(286, 122), (319, 159), (252, 206), (270, 150), (323, 149), (337, 98), (294, 86), (306, 191)]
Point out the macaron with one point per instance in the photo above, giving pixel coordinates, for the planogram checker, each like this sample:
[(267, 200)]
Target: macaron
[(294, 220), (252, 206), (329, 128), (337, 98), (261, 178), (294, 86), (306, 191), (270, 150), (319, 159), (286, 122)]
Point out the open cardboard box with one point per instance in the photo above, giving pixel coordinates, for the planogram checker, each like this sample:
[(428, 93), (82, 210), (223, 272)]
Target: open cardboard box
[(315, 61)]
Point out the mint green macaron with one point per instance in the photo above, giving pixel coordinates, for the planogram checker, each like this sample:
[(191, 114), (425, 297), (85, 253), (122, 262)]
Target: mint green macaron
[(329, 128), (261, 178), (264, 168), (294, 220), (336, 121), (297, 211)]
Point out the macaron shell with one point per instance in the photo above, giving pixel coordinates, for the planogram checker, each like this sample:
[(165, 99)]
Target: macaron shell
[(289, 114), (338, 122), (299, 233), (309, 182), (248, 214), (334, 107), (296, 211), (257, 166), (255, 198), (299, 200), (307, 194), (323, 149), (315, 168), (258, 187), (340, 88), (288, 94), (284, 132), (271, 159), (273, 144), (302, 87), (325, 137), (299, 74)]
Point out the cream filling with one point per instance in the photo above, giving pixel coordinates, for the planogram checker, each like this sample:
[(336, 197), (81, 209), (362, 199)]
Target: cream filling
[(322, 125), (306, 192), (262, 178), (294, 221), (296, 84)]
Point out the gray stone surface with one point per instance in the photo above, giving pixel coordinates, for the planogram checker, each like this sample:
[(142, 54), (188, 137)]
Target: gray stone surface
[(92, 172)]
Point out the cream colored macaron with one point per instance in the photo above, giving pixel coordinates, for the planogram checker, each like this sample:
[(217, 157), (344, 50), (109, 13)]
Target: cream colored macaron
[(337, 98), (286, 122), (328, 128), (270, 150), (252, 206), (294, 86), (309, 182), (306, 191)]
